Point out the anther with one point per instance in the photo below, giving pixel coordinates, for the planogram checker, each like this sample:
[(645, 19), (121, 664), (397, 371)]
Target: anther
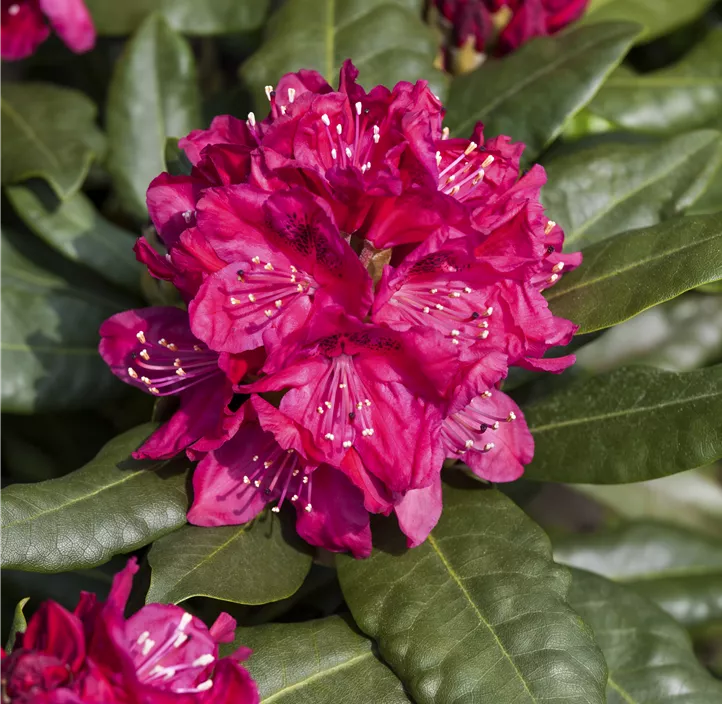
[(329, 436), (325, 120), (487, 162), (488, 311), (470, 148), (308, 508), (445, 133), (342, 386), (148, 646), (283, 109), (454, 294), (433, 290), (334, 154), (132, 373), (511, 417), (257, 483), (484, 334), (347, 443), (358, 107), (269, 90), (256, 260), (488, 446), (246, 480), (203, 660), (145, 380), (235, 301), (549, 227), (291, 94), (455, 333), (268, 313), (255, 458), (495, 425), (558, 267), (426, 309), (349, 153), (469, 444), (438, 158), (486, 394), (339, 129), (153, 390), (187, 215), (327, 404), (140, 337), (180, 371), (204, 686), (438, 306), (268, 266), (467, 289), (275, 509), (251, 119), (278, 303), (552, 278)]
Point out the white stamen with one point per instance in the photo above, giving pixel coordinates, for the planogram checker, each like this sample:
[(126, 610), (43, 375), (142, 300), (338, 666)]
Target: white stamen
[(347, 443), (13, 9), (470, 148), (329, 436), (339, 129), (291, 94), (349, 153), (325, 120), (487, 162), (148, 646), (251, 119), (488, 446), (268, 89), (203, 660), (468, 444), (334, 154), (204, 686), (358, 108)]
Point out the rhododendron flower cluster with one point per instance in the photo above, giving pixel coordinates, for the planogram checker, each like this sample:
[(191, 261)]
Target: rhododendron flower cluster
[(159, 655), (357, 284), (478, 22), (24, 25)]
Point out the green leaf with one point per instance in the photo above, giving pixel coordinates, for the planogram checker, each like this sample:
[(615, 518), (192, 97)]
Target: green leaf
[(649, 656), (111, 505), (632, 271), (386, 39), (680, 335), (49, 343), (711, 200), (678, 98), (656, 16), (629, 425), (533, 93), (49, 132), (690, 499), (599, 192), (185, 16), (478, 611), (254, 563), (78, 232), (319, 662), (18, 625), (153, 95), (677, 569)]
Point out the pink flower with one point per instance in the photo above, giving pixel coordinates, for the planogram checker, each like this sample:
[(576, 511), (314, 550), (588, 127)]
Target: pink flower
[(367, 391), (537, 18), (470, 21), (286, 260), (24, 26), (159, 655), (271, 458), (154, 350)]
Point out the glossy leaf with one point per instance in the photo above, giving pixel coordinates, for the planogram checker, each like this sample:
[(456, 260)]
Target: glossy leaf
[(632, 271), (111, 505), (317, 662), (49, 132), (478, 611), (629, 425), (255, 563), (76, 229), (18, 625), (677, 569), (386, 39), (711, 200), (649, 655), (153, 95), (599, 192), (657, 17), (49, 343), (690, 499), (679, 335), (681, 97), (186, 16), (531, 94)]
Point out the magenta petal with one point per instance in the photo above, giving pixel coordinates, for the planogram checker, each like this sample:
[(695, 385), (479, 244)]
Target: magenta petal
[(338, 521), (220, 496), (122, 584), (223, 629), (224, 129), (55, 631), (419, 511), (72, 23), (491, 436), (22, 32), (231, 685), (172, 203)]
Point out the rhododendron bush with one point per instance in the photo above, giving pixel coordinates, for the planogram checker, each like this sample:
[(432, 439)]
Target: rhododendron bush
[(361, 351)]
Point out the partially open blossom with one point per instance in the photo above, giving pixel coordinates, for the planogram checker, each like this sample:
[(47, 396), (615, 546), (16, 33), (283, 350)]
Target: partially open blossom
[(94, 655), (25, 26), (369, 281), (499, 27)]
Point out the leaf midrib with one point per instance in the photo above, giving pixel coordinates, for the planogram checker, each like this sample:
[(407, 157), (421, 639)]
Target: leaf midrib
[(29, 132), (531, 78), (607, 416), (317, 675), (207, 558), (584, 283), (572, 237), (447, 565)]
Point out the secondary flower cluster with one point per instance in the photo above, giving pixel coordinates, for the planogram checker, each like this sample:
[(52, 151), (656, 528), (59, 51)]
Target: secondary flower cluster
[(24, 28), (160, 655), (478, 22), (358, 284)]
